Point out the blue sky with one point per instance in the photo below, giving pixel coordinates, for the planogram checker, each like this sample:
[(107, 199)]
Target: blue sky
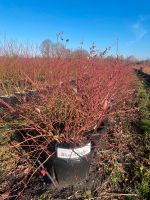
[(96, 21)]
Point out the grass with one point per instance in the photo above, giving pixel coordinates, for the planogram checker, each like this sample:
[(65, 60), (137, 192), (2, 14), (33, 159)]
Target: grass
[(12, 166), (144, 127)]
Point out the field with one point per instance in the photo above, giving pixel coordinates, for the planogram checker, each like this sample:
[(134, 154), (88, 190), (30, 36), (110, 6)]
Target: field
[(74, 99)]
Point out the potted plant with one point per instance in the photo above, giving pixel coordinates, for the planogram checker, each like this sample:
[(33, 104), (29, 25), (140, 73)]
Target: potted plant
[(65, 119)]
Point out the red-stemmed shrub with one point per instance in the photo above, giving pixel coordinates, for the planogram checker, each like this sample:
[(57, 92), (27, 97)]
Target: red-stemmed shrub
[(73, 96)]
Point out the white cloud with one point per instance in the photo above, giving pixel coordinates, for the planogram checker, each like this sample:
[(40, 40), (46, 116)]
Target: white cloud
[(139, 29)]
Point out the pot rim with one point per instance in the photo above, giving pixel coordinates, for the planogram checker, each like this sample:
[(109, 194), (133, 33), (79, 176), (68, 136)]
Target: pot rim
[(73, 153)]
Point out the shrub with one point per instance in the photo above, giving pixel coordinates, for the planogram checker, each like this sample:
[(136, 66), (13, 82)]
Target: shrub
[(73, 97)]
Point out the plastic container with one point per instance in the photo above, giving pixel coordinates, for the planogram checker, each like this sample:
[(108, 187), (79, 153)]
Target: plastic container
[(70, 165)]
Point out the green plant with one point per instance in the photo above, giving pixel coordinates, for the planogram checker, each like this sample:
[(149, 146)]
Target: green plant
[(143, 100), (141, 172), (87, 195), (144, 125), (45, 196), (142, 181), (144, 187)]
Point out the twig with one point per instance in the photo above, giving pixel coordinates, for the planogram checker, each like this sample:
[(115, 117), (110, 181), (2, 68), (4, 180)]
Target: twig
[(117, 194)]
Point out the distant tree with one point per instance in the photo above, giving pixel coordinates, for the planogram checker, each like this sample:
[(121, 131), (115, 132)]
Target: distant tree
[(46, 48), (58, 49), (51, 49), (132, 59)]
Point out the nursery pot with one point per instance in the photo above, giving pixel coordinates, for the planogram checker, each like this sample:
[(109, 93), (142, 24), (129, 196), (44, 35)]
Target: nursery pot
[(71, 164)]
